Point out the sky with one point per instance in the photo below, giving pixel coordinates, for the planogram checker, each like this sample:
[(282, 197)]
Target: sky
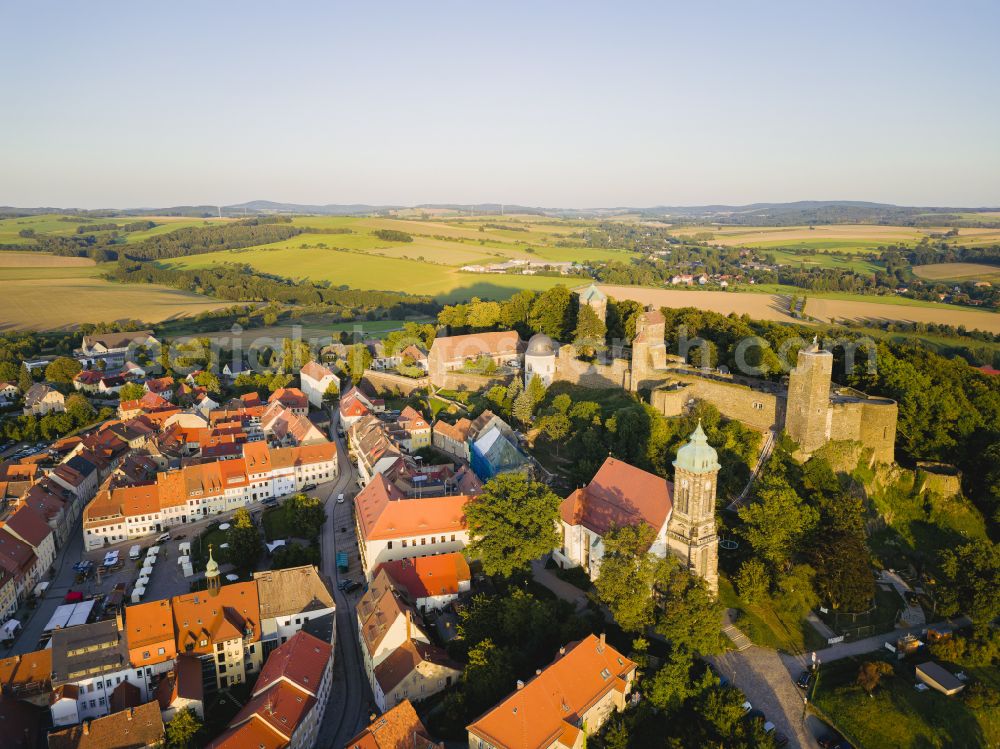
[(545, 103)]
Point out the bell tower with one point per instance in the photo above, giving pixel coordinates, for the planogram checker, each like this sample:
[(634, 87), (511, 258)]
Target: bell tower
[(212, 579), (691, 532)]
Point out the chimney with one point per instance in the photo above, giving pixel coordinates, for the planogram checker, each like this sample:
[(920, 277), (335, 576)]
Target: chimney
[(372, 717), (520, 685), (409, 624), (538, 672), (86, 728), (129, 713), (562, 650), (600, 648)]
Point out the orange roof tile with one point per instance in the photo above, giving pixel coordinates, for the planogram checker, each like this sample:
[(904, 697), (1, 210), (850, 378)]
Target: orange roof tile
[(201, 617), (383, 513), (301, 660), (534, 716), (459, 347), (399, 728), (423, 577), (149, 624)]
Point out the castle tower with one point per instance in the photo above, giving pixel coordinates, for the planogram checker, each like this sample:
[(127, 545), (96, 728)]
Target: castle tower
[(691, 531), (649, 351), (597, 300), (540, 359), (212, 579), (807, 411)]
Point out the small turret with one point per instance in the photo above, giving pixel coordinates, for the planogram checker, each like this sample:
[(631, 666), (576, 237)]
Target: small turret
[(212, 579)]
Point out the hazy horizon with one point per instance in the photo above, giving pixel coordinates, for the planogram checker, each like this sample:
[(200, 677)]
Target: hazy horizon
[(561, 105)]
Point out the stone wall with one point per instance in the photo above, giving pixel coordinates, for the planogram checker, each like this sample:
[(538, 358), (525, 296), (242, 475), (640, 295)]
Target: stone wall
[(756, 409), (591, 375), (939, 478), (878, 428), (465, 382), (384, 383)]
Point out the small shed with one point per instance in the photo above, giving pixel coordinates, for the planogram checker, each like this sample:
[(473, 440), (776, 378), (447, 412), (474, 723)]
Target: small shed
[(937, 677)]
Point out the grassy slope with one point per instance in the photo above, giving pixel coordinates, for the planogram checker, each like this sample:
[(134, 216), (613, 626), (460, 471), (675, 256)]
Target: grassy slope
[(899, 716)]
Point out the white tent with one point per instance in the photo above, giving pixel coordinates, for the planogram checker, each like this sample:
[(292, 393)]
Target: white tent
[(146, 572), (153, 551), (184, 547), (188, 570), (9, 629), (142, 582), (69, 614), (40, 588), (184, 560), (137, 593)]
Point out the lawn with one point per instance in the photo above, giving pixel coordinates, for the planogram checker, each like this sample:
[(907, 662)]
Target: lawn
[(769, 627), (958, 272), (897, 715), (862, 265), (199, 548)]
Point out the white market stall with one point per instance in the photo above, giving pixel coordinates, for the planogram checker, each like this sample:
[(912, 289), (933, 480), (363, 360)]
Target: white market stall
[(69, 614)]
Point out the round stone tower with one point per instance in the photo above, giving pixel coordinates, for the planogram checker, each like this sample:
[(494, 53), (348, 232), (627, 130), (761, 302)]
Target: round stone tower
[(807, 411), (540, 359)]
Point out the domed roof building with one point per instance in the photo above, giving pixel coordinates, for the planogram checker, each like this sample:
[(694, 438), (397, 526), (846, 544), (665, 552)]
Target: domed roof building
[(540, 359)]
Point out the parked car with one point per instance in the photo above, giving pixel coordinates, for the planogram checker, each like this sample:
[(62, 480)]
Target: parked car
[(344, 583), (308, 487), (340, 499), (163, 537), (780, 740), (747, 707), (804, 679), (353, 586)]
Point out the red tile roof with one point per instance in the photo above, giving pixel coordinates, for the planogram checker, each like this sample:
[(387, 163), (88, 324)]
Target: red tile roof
[(424, 577), (29, 525), (399, 728), (534, 716), (301, 660), (619, 494), (459, 347)]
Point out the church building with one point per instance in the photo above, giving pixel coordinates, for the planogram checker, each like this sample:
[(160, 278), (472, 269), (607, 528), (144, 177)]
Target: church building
[(682, 513)]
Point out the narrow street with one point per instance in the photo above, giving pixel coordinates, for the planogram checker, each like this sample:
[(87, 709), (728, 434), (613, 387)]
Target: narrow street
[(350, 699)]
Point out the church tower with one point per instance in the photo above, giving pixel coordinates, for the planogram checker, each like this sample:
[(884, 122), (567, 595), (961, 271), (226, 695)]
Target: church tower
[(212, 579), (596, 299), (808, 415), (691, 531)]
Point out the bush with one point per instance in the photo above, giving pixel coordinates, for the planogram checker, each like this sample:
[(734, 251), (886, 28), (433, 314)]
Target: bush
[(575, 576)]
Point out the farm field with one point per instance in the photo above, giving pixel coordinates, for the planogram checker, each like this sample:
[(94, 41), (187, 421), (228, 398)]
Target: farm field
[(65, 226), (824, 238), (365, 271), (856, 311), (312, 326), (958, 272), (861, 263), (61, 292), (758, 306)]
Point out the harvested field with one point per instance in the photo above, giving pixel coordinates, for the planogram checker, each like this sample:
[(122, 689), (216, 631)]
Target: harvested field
[(62, 303), (834, 237), (859, 312), (758, 306), (42, 260), (958, 272)]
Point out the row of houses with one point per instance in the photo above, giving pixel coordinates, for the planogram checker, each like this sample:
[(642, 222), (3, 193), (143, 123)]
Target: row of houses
[(278, 628), (196, 491)]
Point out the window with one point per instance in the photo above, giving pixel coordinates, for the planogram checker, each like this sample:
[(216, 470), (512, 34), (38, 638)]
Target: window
[(404, 544), (220, 646), (389, 545), (145, 655), (423, 542), (160, 651), (452, 536), (100, 700), (222, 669)]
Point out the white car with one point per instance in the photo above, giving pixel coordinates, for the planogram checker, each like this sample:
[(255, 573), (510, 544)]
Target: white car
[(747, 707), (340, 499)]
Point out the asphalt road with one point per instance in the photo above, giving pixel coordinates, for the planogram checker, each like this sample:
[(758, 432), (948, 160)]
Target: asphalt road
[(351, 701)]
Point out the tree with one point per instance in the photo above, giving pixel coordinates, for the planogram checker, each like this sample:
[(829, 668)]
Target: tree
[(776, 522), (359, 358), (690, 617), (488, 674), (590, 331), (294, 555), (24, 380), (523, 408), (562, 404), (535, 391), (753, 581), (972, 574), (844, 576), (672, 683), (556, 428), (182, 728), (294, 355), (628, 576), (332, 394), (305, 515), (511, 523), (244, 541), (62, 369), (209, 381), (871, 673), (79, 408), (552, 313), (131, 391)]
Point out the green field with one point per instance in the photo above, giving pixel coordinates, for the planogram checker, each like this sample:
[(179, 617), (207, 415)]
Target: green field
[(824, 259), (364, 271)]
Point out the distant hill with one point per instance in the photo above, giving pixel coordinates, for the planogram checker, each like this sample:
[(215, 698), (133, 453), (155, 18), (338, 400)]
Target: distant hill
[(754, 214)]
